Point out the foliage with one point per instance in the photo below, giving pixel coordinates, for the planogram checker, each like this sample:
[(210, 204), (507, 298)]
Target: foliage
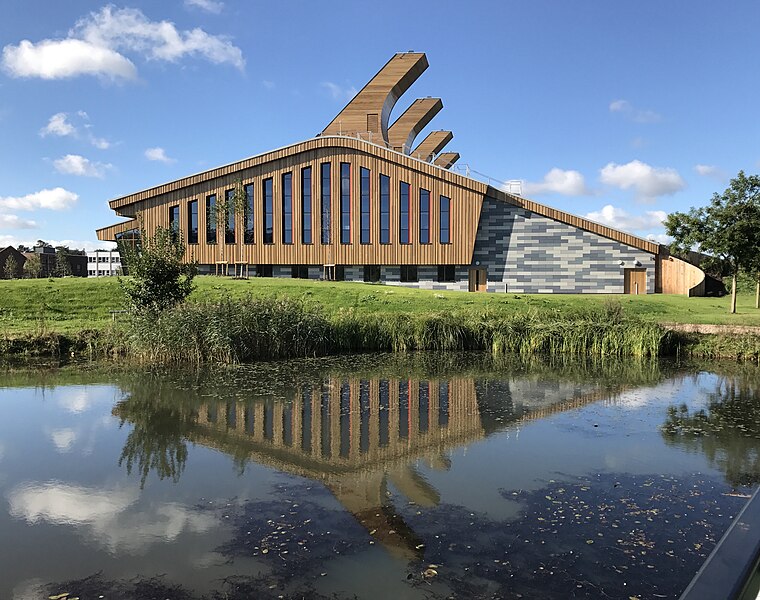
[(62, 265), (11, 268), (159, 279), (33, 265)]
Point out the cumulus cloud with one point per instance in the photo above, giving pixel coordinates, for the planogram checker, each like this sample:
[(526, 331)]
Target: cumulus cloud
[(208, 5), (629, 111), (97, 43), (61, 124), (55, 199), (648, 182), (111, 517), (15, 222), (618, 218), (63, 439), (339, 92), (709, 171), (558, 181), (74, 164), (58, 125), (158, 154)]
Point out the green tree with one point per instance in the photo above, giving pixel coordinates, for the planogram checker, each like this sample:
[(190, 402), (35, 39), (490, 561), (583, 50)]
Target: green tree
[(159, 279), (728, 228), (62, 265), (240, 208), (33, 265), (11, 268)]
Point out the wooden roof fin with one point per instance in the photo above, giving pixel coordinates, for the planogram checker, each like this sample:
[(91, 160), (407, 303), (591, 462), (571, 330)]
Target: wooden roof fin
[(432, 144), (415, 118), (446, 159), (369, 110)]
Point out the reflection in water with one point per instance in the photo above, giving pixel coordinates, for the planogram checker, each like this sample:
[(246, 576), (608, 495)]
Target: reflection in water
[(356, 435), (727, 432)]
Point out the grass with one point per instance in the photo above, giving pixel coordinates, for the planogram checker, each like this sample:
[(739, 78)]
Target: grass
[(74, 304)]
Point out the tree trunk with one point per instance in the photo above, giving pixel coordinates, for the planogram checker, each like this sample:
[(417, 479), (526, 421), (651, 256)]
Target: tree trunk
[(757, 292), (733, 294)]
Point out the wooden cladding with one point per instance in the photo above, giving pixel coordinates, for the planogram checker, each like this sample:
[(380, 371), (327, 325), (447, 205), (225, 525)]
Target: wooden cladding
[(352, 221)]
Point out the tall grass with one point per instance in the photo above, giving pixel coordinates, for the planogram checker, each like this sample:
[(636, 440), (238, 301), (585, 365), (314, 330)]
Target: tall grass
[(247, 329)]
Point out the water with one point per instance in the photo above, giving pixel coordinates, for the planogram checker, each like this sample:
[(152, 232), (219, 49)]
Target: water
[(373, 476)]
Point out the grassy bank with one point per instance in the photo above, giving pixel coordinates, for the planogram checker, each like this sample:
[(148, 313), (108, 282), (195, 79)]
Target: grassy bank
[(240, 321)]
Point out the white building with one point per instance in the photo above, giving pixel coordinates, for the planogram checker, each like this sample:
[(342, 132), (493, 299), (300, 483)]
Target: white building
[(103, 263)]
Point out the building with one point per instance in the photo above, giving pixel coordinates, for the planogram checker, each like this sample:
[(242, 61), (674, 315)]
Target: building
[(361, 202), (103, 263), (9, 270)]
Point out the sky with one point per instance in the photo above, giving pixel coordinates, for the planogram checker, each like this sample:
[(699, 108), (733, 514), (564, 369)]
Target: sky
[(621, 112)]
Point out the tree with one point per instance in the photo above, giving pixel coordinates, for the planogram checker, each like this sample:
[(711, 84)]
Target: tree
[(11, 268), (62, 265), (33, 265), (728, 229), (159, 279), (240, 212)]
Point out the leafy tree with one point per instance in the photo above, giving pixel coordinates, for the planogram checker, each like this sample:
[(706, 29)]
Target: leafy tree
[(240, 206), (11, 268), (33, 265), (159, 277), (62, 265), (727, 229)]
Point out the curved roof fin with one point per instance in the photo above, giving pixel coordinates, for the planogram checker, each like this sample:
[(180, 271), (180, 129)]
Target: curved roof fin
[(446, 159), (370, 109), (432, 144), (404, 129)]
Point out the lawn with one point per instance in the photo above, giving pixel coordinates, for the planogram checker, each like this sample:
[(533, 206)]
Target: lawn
[(71, 304)]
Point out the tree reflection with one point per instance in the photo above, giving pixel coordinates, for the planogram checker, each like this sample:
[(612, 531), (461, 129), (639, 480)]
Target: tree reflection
[(727, 432)]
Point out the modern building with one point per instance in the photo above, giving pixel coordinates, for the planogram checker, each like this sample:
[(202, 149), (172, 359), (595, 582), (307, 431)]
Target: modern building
[(361, 202), (103, 263), (11, 263)]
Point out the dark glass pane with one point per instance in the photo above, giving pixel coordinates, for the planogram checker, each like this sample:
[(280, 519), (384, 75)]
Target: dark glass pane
[(211, 219), (268, 212), (365, 209), (287, 208), (424, 217), (306, 205), (404, 213), (345, 203), (192, 222), (248, 217), (326, 199), (385, 209), (229, 232)]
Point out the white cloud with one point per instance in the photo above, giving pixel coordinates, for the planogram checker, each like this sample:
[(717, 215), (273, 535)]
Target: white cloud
[(59, 59), (709, 171), (95, 44), (208, 5), (660, 238), (158, 154), (100, 143), (634, 114), (339, 93), (74, 164), (63, 439), (15, 222), (58, 125), (619, 219), (55, 199), (558, 181), (112, 517), (648, 182)]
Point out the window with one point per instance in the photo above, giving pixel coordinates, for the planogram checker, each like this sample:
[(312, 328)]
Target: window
[(248, 214), (299, 271), (424, 216), (306, 205), (211, 219), (229, 205), (268, 212), (364, 209), (173, 221), (409, 273), (345, 203), (371, 273), (325, 197), (445, 220), (263, 270), (446, 273), (287, 208), (385, 209), (403, 233), (192, 222)]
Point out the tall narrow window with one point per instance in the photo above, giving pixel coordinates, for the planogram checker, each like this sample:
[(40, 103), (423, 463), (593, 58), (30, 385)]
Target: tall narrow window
[(345, 203), (229, 229), (174, 221), (445, 220), (365, 208), (287, 208), (325, 198), (306, 205), (268, 212), (192, 222), (248, 217), (211, 219), (424, 217), (403, 232), (385, 209)]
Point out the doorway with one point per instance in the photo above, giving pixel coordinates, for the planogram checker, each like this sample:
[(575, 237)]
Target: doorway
[(477, 280), (634, 281)]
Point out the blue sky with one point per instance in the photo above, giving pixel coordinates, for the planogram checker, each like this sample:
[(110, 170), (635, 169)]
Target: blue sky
[(618, 111)]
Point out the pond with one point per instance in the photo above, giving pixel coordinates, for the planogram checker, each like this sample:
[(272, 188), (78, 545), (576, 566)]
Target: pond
[(376, 476)]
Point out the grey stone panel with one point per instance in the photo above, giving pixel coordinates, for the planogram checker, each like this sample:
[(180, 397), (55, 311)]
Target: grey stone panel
[(281, 271), (315, 272), (534, 254), (353, 273)]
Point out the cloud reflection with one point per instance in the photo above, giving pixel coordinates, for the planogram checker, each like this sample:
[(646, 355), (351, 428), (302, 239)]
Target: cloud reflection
[(63, 439)]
